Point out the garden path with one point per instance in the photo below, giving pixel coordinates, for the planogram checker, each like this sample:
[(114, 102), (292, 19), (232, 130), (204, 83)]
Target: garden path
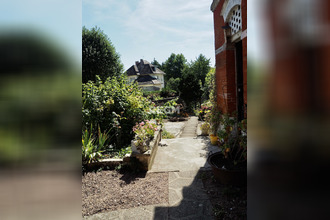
[(183, 157)]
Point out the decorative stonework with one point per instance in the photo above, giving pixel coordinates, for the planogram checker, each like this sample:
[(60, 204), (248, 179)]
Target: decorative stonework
[(235, 19), (220, 49), (227, 7), (224, 47)]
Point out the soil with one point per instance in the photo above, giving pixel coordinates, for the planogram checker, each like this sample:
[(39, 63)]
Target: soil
[(110, 190), (228, 202)]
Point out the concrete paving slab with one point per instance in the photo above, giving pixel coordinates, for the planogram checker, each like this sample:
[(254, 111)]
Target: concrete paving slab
[(175, 128), (183, 154)]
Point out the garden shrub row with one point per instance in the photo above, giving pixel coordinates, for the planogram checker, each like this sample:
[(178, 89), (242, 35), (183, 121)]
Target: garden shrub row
[(115, 107)]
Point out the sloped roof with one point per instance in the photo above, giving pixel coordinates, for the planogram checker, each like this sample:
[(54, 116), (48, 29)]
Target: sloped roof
[(143, 68), (147, 79)]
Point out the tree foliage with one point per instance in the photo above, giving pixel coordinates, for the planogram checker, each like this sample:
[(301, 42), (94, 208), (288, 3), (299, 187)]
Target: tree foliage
[(200, 67), (99, 56), (190, 87), (173, 84), (156, 63), (187, 79), (174, 65)]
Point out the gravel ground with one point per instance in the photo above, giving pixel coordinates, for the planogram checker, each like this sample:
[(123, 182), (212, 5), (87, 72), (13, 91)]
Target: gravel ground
[(110, 190)]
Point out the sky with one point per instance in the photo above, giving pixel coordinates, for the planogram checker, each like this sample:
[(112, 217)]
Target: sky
[(139, 29), (148, 29)]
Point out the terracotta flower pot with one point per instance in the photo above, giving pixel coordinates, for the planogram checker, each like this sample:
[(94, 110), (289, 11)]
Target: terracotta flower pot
[(235, 177)]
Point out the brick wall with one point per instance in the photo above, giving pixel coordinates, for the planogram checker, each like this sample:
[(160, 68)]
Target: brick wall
[(219, 36), (225, 63)]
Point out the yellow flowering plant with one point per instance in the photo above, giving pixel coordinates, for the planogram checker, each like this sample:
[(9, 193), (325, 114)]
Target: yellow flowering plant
[(232, 139)]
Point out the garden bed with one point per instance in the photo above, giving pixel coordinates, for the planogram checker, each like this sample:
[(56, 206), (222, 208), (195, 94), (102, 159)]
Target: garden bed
[(146, 159), (110, 190)]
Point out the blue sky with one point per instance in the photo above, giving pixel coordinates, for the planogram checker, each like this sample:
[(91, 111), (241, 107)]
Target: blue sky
[(138, 29), (148, 29)]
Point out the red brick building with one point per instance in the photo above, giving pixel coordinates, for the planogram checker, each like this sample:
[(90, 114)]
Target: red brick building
[(230, 30)]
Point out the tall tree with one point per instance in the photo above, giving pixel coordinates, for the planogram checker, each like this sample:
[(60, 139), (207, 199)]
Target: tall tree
[(99, 56), (200, 67), (190, 87), (174, 65)]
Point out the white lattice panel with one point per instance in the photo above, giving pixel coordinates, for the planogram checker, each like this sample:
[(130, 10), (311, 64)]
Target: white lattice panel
[(235, 20)]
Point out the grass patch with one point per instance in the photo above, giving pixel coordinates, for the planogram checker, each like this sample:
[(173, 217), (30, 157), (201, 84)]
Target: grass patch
[(167, 135)]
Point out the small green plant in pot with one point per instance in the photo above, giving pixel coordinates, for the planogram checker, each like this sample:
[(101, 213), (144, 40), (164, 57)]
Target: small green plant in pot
[(205, 127)]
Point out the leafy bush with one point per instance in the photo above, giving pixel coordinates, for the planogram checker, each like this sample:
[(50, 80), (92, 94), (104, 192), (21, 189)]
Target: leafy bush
[(114, 106), (233, 139), (167, 92), (173, 84), (117, 154), (152, 95), (171, 103)]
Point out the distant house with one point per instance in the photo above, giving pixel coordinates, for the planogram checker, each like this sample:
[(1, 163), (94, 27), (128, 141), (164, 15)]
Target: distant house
[(148, 76)]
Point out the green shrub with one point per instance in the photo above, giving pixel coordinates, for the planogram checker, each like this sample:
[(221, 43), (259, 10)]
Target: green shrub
[(171, 103), (167, 92), (92, 151), (115, 107), (117, 154), (152, 95)]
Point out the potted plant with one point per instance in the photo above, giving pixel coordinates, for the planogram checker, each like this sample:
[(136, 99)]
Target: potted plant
[(229, 165), (144, 133), (214, 117), (205, 127)]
